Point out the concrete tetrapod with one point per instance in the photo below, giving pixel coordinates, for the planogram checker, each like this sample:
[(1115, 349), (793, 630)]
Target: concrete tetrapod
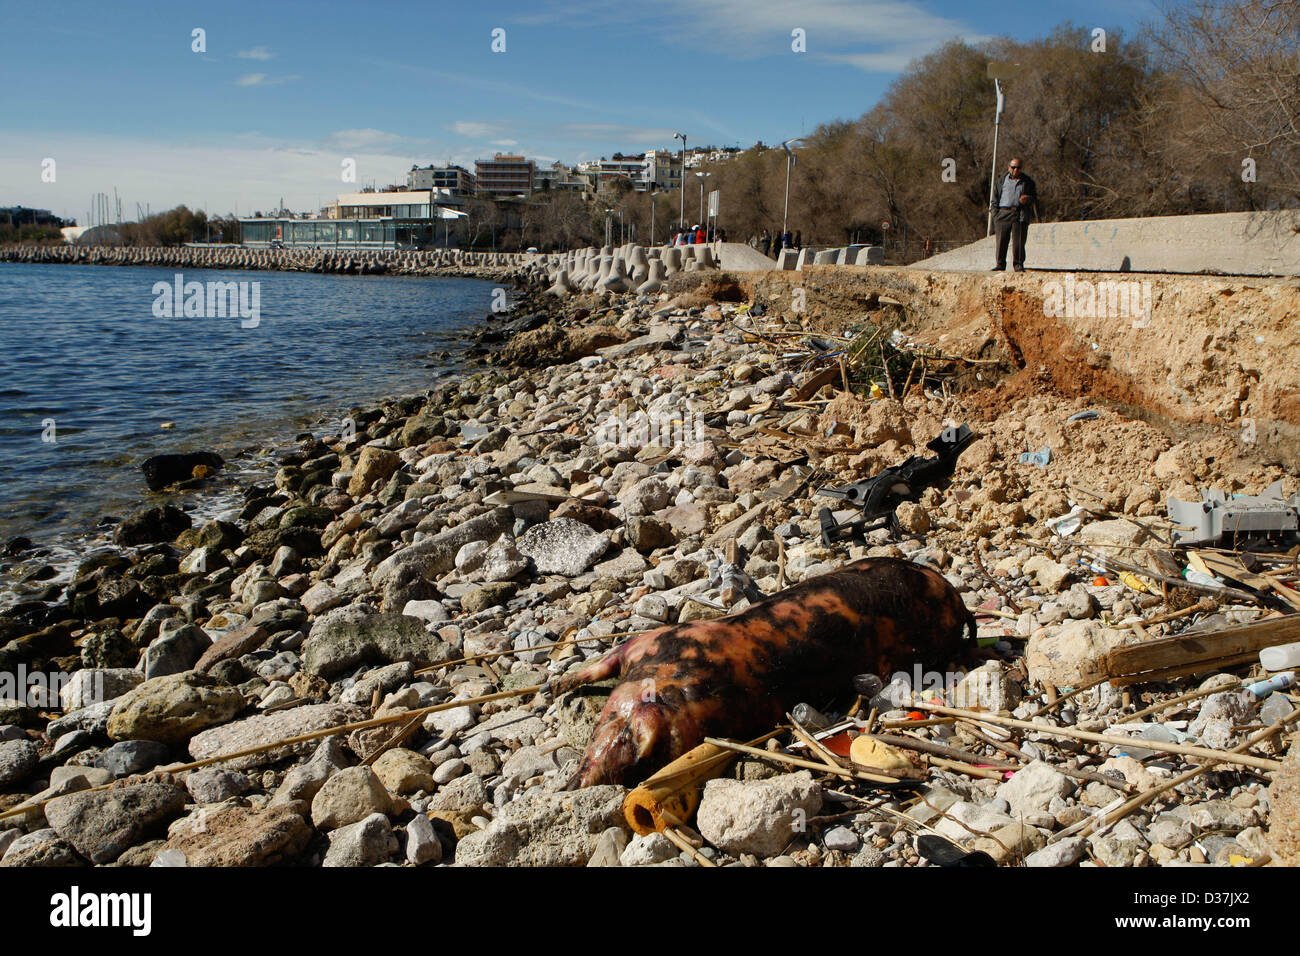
[(656, 280)]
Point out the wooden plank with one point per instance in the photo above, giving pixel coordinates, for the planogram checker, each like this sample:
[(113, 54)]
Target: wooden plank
[(1186, 650), (815, 384)]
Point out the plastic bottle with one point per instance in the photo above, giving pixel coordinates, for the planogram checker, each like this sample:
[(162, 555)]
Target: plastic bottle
[(1278, 682), (810, 717), (1133, 581), (1280, 657), (867, 685)]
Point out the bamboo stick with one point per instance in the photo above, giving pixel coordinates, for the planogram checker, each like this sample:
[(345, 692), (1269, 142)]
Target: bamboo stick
[(1181, 699), (1189, 750), (1146, 796), (681, 843), (1062, 698), (490, 655), (879, 777)]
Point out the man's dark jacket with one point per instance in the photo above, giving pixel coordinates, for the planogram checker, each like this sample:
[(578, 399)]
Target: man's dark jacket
[(1031, 190)]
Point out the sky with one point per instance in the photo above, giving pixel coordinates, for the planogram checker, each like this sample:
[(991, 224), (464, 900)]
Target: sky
[(283, 92)]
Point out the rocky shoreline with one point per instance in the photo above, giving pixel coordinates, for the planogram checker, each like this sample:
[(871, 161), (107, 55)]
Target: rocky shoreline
[(628, 460)]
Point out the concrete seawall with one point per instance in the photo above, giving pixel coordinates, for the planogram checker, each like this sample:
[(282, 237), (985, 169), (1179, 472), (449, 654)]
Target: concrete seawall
[(1237, 243)]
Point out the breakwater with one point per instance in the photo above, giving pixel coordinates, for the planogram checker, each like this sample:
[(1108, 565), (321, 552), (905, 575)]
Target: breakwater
[(345, 261)]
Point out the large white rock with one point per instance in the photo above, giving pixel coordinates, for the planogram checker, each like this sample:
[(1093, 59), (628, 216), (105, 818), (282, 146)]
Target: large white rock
[(1032, 789), (758, 816)]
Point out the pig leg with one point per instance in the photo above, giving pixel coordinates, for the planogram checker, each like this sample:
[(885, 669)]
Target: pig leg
[(597, 670)]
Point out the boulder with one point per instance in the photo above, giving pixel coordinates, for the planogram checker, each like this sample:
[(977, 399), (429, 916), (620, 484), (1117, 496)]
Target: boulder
[(343, 638), (173, 708), (102, 825), (758, 817), (163, 470)]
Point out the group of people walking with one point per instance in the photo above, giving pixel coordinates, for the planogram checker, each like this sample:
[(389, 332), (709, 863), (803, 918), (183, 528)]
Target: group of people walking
[(771, 243), (698, 234)]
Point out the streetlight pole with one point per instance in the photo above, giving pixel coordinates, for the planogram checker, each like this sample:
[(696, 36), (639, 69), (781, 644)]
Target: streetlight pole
[(702, 177), (682, 137), (993, 176), (789, 162), (608, 214)]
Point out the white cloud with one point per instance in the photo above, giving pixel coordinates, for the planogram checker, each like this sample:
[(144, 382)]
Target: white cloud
[(350, 138), (474, 130), (263, 79), (256, 53), (505, 142)]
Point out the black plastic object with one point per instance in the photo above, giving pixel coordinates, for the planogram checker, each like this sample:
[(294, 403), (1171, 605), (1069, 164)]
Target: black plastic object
[(943, 852), (879, 497)]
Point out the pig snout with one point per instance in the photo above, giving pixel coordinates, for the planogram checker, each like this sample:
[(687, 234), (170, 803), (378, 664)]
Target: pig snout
[(628, 733)]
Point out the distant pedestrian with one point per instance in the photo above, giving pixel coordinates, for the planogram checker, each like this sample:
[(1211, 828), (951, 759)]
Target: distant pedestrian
[(722, 235), (776, 243), (766, 242), (928, 247), (787, 240), (798, 240), (1014, 202), (700, 238)]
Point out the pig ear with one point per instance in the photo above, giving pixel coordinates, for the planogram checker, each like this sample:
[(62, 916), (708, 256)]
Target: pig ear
[(645, 727)]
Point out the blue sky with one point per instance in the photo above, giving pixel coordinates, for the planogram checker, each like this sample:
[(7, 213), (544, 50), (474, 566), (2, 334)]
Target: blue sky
[(285, 91)]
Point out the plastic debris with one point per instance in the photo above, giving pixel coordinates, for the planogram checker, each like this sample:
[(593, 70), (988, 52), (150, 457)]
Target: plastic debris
[(1041, 458), (1264, 688), (1280, 657), (1083, 416)]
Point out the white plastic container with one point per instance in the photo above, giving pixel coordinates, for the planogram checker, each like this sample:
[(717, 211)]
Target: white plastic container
[(1280, 657)]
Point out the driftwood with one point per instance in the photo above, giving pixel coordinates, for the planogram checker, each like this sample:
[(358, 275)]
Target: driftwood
[(1165, 657)]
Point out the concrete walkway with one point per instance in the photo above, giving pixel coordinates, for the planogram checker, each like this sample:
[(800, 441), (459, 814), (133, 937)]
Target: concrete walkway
[(1235, 243)]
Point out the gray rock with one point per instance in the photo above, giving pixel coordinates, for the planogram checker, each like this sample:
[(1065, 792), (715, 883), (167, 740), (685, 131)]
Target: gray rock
[(15, 842), (1062, 853), (1219, 714), (213, 785), (93, 719), (368, 842), (254, 731), (175, 651), (436, 556), (609, 847), (173, 708), (18, 760), (648, 850), (463, 794), (304, 782), (422, 843), (1033, 788), (93, 685), (842, 839), (542, 828), (645, 497), (103, 825), (132, 756), (563, 546), (346, 637), (758, 817), (349, 796)]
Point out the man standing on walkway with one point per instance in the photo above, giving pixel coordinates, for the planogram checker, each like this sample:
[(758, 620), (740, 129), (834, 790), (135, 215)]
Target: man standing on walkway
[(1014, 201)]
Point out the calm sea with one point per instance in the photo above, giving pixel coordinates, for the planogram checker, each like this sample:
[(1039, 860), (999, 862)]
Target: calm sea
[(89, 375)]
